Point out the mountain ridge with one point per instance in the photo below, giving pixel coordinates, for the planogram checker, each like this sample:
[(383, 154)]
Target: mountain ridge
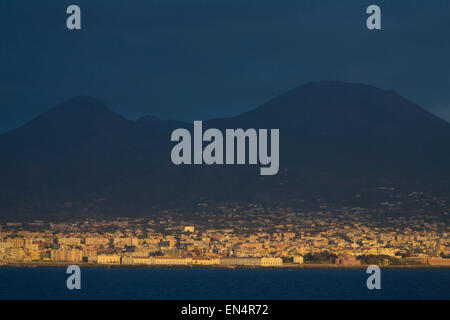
[(333, 136)]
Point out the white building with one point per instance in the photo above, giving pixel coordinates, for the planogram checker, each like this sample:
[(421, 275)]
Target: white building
[(271, 262), (108, 259), (299, 260)]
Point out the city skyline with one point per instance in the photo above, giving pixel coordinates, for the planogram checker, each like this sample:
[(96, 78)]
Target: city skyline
[(236, 235)]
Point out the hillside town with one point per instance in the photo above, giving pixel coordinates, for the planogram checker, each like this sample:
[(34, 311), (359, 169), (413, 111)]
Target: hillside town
[(233, 235)]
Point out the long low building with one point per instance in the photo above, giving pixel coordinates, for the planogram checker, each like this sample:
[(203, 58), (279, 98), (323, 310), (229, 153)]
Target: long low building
[(176, 261), (108, 259), (264, 262), (271, 262), (204, 261), (171, 260), (158, 260), (436, 261)]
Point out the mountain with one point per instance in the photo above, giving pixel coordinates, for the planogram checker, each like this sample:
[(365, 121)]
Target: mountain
[(335, 138), (343, 126), (70, 152)]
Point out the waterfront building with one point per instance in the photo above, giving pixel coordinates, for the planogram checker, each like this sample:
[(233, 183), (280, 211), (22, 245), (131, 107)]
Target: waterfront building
[(108, 259), (299, 260), (271, 262), (238, 261), (58, 255), (171, 260), (142, 260), (204, 261)]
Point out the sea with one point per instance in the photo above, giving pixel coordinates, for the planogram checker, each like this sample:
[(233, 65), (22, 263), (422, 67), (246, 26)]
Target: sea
[(199, 284)]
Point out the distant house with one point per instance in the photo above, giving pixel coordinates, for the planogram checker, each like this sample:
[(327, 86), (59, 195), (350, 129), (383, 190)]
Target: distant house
[(298, 259)]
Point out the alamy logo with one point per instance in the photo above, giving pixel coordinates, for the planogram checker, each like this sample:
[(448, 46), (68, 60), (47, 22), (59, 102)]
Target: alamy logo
[(74, 280), (236, 141), (374, 281)]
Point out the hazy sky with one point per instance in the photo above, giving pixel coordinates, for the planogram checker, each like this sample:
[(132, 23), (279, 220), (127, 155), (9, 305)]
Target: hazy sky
[(197, 59)]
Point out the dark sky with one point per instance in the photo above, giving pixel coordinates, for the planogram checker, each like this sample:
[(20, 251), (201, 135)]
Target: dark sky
[(198, 59)]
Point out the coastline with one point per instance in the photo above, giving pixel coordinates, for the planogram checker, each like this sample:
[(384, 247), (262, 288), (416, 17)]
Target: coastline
[(200, 267)]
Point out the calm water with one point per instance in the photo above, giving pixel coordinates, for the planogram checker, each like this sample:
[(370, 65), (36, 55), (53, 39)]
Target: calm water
[(120, 283)]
